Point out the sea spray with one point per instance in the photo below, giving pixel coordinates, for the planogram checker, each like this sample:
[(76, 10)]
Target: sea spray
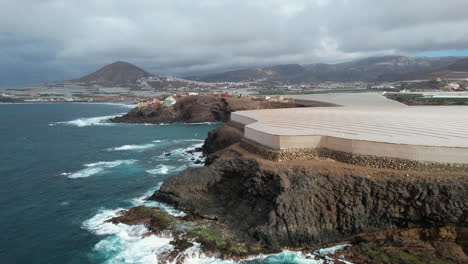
[(125, 243), (134, 244), (89, 121), (160, 169), (134, 147), (40, 159), (96, 168)]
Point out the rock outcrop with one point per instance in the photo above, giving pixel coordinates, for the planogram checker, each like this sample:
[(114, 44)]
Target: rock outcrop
[(221, 138), (414, 245), (309, 203), (196, 109)]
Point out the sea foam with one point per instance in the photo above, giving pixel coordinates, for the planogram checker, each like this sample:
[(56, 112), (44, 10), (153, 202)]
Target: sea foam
[(97, 167), (134, 147), (143, 200), (89, 121), (124, 243)]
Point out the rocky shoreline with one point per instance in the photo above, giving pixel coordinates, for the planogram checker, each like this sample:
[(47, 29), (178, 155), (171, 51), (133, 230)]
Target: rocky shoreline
[(244, 202), (240, 204), (198, 109)]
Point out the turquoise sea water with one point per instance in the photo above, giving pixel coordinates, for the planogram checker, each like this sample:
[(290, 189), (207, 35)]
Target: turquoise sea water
[(63, 173)]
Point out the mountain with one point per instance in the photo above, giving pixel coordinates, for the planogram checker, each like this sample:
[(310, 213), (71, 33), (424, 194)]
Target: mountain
[(278, 72), (119, 73), (456, 70), (369, 69)]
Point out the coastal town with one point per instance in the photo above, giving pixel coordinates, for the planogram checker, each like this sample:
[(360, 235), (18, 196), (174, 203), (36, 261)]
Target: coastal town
[(436, 88)]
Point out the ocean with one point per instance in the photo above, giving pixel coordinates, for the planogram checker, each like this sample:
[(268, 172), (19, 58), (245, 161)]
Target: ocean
[(64, 172)]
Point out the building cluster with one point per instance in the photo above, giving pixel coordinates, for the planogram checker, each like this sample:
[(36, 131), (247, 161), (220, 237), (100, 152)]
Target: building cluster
[(168, 100), (454, 87)]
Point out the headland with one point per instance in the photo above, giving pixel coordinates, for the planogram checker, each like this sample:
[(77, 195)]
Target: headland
[(391, 182)]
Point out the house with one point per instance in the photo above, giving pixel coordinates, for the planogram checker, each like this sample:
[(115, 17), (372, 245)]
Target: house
[(143, 104), (155, 102), (451, 87), (169, 100)]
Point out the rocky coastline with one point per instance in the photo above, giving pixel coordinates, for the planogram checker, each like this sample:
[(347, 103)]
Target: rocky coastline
[(241, 204), (203, 108)]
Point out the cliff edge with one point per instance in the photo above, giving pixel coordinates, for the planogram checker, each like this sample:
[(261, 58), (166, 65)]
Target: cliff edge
[(203, 108), (308, 203)]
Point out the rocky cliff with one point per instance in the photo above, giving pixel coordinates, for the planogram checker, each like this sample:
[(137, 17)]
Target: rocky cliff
[(195, 109), (308, 203)]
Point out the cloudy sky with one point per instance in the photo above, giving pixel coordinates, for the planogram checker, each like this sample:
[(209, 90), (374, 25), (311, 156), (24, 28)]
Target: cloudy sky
[(45, 40)]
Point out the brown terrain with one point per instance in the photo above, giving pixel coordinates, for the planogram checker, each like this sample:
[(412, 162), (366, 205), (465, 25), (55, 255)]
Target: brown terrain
[(368, 69), (119, 73), (455, 70), (196, 109), (243, 204)]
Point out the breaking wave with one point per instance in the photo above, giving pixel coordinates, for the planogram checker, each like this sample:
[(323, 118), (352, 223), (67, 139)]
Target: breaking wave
[(124, 243), (95, 168), (134, 147), (151, 145), (143, 200), (90, 121), (131, 244), (160, 169)]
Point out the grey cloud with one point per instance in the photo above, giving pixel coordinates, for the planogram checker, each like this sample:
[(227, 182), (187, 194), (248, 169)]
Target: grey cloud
[(62, 39)]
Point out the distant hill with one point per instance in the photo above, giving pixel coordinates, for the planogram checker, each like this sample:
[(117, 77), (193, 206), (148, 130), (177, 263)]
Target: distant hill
[(460, 65), (369, 69), (119, 73), (455, 70)]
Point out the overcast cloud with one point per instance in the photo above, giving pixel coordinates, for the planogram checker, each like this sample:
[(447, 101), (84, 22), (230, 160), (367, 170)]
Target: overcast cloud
[(44, 40)]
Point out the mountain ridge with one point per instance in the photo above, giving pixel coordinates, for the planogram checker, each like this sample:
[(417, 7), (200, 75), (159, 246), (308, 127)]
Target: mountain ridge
[(456, 70), (367, 69)]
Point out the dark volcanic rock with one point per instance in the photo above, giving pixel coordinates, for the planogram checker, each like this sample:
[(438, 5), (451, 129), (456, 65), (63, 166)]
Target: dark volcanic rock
[(221, 137), (317, 202), (196, 109), (415, 245)]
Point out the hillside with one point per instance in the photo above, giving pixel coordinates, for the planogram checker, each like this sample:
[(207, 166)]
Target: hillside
[(119, 73), (196, 109), (369, 69), (456, 70)]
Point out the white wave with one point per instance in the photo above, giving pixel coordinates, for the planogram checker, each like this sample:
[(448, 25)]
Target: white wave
[(134, 147), (130, 106), (331, 250), (160, 169), (97, 167), (192, 140), (181, 155), (110, 164), (183, 151), (84, 173), (202, 123), (125, 243), (89, 121), (125, 105), (132, 244), (142, 200), (140, 147)]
